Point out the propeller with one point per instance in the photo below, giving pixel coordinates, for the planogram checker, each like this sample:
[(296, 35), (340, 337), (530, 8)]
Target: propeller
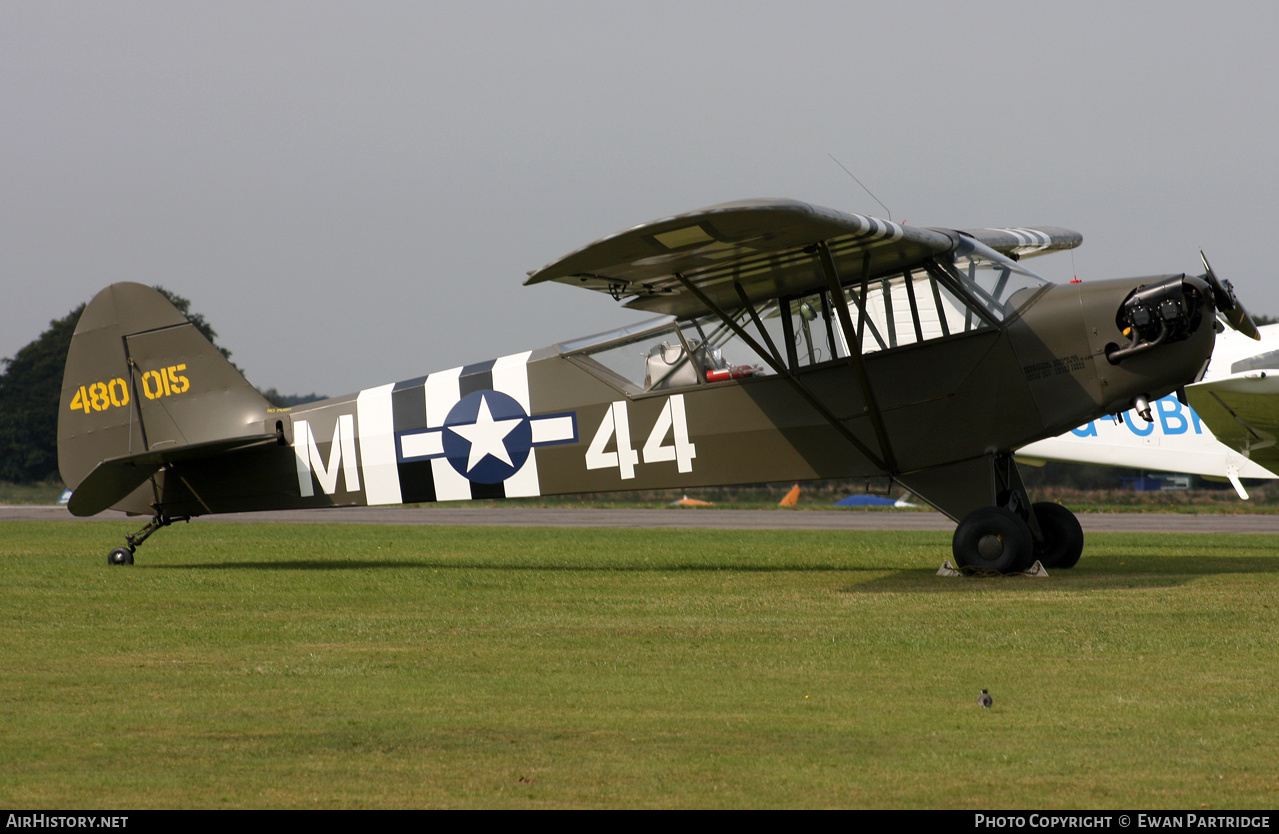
[(1223, 296)]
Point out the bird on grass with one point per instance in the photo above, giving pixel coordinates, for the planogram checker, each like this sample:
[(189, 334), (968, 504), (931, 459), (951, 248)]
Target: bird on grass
[(984, 700)]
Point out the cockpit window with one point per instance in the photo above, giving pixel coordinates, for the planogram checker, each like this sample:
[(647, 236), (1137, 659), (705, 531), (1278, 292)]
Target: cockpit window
[(664, 354), (915, 306), (973, 288)]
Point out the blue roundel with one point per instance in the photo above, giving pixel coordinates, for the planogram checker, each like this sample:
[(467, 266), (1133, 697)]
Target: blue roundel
[(487, 437)]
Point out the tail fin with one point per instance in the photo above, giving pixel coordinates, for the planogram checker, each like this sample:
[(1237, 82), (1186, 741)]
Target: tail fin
[(143, 388)]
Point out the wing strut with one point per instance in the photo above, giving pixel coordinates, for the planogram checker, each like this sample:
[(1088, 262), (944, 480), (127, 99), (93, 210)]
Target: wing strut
[(771, 357), (759, 325), (855, 347)]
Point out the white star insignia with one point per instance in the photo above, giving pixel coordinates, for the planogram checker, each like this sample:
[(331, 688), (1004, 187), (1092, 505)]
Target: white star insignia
[(487, 436)]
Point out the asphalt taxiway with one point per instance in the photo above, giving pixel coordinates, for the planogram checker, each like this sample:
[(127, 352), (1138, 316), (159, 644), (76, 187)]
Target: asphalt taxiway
[(685, 518)]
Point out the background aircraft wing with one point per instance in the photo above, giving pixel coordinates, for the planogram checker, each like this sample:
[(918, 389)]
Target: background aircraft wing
[(765, 246), (1177, 441), (1243, 411)]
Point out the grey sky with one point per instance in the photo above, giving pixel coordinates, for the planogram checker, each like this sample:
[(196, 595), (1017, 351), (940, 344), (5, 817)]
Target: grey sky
[(353, 193)]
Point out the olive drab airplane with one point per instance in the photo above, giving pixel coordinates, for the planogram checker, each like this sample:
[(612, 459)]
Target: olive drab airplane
[(792, 342)]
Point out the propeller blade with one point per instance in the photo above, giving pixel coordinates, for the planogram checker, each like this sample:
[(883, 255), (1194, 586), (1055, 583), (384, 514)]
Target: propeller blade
[(1227, 304)]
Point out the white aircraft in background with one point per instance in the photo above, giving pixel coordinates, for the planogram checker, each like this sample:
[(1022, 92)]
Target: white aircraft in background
[(1236, 399)]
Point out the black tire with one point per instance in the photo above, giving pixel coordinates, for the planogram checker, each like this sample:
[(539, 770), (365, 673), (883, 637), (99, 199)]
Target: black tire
[(1063, 537), (120, 556), (994, 538)]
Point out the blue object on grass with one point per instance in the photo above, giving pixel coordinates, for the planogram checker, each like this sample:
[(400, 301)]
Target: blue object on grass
[(866, 501)]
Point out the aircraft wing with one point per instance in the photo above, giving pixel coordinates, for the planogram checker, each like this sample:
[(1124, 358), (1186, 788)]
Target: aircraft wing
[(1026, 243), (766, 246)]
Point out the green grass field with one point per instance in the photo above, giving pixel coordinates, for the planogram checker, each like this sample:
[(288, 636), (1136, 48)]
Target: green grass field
[(318, 666)]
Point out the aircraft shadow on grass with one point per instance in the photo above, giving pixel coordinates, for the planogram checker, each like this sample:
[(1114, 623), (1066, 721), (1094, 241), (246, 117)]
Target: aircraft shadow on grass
[(1111, 572), (1107, 572)]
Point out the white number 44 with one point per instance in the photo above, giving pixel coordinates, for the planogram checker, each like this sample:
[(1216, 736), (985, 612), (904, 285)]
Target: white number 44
[(616, 423)]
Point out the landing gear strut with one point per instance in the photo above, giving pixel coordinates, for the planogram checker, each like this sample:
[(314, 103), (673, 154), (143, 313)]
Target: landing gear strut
[(1012, 535), (124, 555)]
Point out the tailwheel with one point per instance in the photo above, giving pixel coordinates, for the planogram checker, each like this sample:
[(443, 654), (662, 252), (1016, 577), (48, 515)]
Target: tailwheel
[(124, 555), (1063, 537), (994, 538), (120, 556)]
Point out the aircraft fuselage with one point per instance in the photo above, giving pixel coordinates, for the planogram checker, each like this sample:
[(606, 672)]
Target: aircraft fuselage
[(549, 422)]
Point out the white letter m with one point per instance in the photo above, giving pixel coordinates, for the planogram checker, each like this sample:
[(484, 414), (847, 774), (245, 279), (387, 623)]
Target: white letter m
[(309, 459)]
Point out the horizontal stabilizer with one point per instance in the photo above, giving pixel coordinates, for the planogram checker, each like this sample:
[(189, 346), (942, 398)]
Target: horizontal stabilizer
[(112, 480)]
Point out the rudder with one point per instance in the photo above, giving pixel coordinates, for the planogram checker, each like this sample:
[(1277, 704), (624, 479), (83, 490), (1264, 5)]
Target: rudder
[(142, 387)]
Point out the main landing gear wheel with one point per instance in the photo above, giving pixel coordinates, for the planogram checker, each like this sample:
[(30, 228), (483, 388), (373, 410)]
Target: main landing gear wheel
[(994, 538), (1063, 537), (120, 556)]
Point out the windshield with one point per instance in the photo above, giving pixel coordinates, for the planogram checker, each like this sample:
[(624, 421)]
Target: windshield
[(992, 279)]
